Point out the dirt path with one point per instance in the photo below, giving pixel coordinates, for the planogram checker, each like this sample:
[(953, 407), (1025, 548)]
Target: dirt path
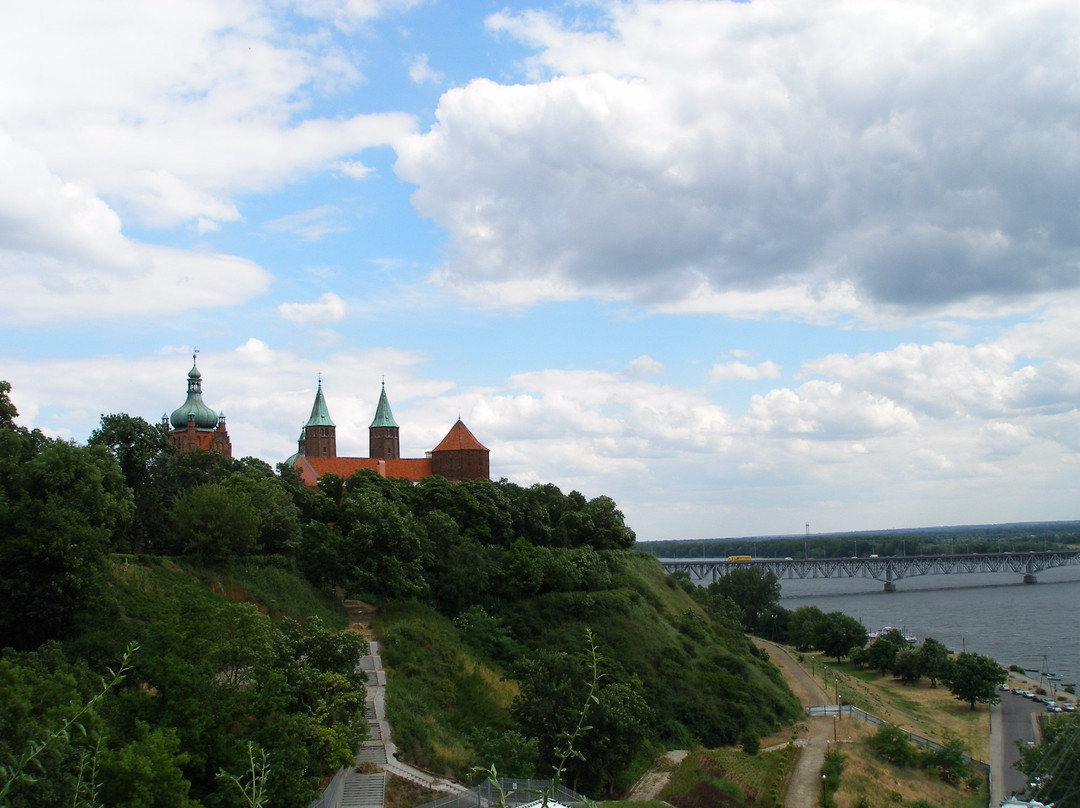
[(653, 781), (360, 615), (805, 787)]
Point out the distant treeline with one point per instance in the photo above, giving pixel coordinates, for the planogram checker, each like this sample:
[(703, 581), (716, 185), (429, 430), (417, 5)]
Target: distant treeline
[(1015, 537)]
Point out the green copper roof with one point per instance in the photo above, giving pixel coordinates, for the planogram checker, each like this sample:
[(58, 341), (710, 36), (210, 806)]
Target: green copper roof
[(193, 406), (320, 416), (383, 416)]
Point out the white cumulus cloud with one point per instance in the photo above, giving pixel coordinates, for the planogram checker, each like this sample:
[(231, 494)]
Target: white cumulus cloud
[(907, 155), (329, 309)]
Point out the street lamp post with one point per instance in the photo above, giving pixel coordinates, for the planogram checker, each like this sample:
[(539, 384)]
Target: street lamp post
[(836, 688), (825, 676)]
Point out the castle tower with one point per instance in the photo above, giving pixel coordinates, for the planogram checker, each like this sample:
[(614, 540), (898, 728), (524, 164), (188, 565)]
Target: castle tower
[(383, 442), (460, 456), (193, 425), (319, 438)]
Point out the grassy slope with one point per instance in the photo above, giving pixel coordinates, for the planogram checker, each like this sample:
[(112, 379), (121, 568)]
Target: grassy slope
[(441, 691), (933, 713), (145, 589)]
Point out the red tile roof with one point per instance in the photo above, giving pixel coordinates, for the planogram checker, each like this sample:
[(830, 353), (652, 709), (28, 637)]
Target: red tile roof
[(313, 468), (459, 438)]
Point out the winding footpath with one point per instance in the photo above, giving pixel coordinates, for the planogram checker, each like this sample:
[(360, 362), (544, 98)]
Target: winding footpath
[(805, 786)]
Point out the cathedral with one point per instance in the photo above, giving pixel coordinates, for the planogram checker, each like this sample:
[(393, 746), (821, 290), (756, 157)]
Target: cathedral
[(193, 425), (459, 456)]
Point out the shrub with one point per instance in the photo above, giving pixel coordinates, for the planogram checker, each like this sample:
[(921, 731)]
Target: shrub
[(948, 761), (893, 745), (830, 772), (750, 742)]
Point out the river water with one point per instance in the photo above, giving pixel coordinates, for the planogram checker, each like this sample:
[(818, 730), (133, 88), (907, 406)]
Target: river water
[(986, 613)]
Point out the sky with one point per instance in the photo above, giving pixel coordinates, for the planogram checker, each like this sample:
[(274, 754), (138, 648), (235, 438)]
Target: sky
[(741, 266)]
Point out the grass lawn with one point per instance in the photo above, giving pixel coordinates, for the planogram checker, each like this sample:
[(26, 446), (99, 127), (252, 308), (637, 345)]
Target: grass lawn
[(932, 712), (870, 782)]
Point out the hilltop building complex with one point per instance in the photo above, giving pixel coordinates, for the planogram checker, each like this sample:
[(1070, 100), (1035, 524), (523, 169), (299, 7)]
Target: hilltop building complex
[(459, 456)]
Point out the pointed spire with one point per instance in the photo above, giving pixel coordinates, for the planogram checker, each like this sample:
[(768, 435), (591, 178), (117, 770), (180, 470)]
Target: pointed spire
[(320, 416), (383, 416)]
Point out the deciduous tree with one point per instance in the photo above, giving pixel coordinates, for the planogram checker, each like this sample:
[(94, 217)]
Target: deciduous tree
[(933, 660), (215, 523), (837, 634), (63, 508), (974, 678), (753, 589)]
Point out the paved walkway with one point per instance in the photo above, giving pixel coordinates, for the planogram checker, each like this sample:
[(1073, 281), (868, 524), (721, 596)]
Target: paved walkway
[(805, 787), (365, 784)]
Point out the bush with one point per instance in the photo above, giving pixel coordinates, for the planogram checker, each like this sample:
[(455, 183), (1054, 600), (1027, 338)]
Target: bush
[(948, 761), (750, 742), (893, 745), (830, 772)]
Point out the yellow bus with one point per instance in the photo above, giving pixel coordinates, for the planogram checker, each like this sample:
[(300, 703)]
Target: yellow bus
[(740, 558)]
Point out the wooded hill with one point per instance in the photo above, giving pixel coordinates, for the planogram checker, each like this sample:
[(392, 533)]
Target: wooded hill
[(484, 592)]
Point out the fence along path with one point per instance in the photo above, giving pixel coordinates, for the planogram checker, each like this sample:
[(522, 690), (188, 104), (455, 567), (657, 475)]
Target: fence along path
[(867, 718)]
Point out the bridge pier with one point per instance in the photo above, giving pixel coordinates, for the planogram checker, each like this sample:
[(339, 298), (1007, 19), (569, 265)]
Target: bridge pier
[(1030, 579), (890, 586)]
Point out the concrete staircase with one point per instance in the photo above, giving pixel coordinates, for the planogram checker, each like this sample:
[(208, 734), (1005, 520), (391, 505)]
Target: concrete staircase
[(368, 790), (378, 754)]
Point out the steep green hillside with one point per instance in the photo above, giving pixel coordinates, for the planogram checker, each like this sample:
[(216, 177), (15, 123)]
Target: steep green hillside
[(505, 610), (670, 677)]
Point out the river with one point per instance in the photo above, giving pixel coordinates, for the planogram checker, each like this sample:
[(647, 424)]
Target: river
[(986, 613)]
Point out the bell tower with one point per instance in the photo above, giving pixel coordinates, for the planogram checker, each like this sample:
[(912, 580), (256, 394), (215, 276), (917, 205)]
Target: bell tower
[(320, 433), (383, 442)]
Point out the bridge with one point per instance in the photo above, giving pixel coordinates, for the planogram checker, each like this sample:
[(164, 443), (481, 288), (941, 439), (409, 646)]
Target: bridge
[(887, 569)]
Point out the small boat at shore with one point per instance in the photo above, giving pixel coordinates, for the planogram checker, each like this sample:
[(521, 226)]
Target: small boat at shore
[(909, 638)]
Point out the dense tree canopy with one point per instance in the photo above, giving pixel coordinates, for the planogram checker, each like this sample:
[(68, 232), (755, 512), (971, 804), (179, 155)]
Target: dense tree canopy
[(754, 590), (63, 508)]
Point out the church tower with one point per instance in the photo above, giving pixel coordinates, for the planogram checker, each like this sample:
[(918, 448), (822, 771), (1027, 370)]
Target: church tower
[(319, 438), (383, 443), (193, 425)]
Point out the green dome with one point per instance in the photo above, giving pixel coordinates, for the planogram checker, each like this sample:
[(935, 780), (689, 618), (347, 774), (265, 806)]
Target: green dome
[(205, 418)]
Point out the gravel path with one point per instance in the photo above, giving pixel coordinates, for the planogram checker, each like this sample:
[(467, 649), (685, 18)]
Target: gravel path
[(805, 787)]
